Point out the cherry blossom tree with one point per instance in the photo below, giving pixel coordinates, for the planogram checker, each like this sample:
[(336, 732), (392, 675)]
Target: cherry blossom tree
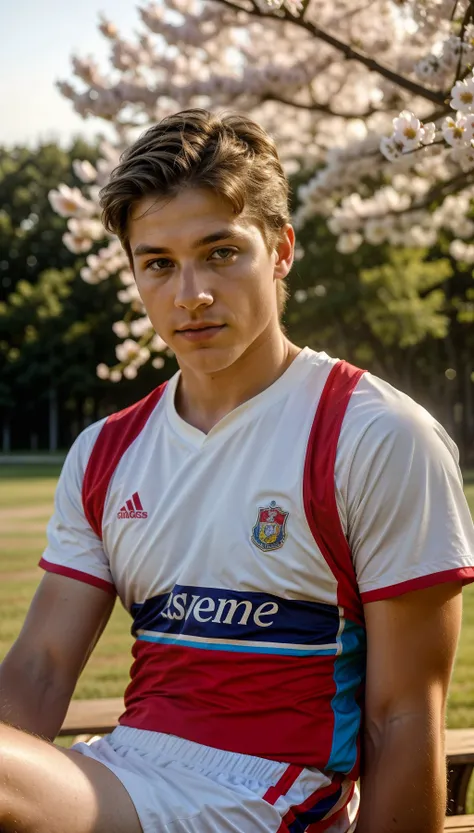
[(372, 99)]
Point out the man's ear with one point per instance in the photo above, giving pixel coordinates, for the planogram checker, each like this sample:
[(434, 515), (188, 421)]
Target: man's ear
[(285, 252)]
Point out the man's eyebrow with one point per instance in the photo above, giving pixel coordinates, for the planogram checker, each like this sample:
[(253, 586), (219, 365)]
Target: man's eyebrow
[(222, 234)]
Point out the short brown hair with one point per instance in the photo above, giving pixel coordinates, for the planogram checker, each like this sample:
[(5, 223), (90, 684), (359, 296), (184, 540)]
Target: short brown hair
[(229, 153)]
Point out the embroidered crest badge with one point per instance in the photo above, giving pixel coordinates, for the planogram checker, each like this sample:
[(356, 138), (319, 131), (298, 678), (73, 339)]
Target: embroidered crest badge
[(269, 533)]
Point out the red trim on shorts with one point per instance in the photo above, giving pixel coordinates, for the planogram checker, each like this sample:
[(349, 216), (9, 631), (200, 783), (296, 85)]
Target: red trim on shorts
[(322, 792), (319, 495), (321, 826), (464, 574), (291, 773), (78, 575), (117, 434)]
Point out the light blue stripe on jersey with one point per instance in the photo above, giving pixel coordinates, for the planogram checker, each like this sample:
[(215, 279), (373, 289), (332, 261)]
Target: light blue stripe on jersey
[(240, 645), (349, 672)]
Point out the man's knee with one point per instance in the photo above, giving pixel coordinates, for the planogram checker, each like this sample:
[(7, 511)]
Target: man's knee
[(13, 800)]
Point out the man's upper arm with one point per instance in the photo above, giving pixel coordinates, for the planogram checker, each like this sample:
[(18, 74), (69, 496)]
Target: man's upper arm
[(76, 596), (411, 645), (64, 622)]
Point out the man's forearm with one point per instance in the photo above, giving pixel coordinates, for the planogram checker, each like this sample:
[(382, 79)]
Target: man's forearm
[(32, 698), (403, 787)]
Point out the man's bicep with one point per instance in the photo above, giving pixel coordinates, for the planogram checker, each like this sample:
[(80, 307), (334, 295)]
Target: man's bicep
[(63, 624), (411, 646)]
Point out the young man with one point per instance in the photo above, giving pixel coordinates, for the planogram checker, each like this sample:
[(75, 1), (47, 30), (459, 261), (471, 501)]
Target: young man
[(288, 533)]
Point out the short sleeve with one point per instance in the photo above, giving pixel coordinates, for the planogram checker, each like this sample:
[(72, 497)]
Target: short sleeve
[(73, 548), (404, 510)]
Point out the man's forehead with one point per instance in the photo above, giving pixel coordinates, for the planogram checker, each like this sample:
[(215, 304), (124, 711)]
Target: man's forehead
[(186, 219)]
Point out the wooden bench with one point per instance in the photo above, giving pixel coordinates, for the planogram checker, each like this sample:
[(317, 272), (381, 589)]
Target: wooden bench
[(92, 717), (460, 757), (460, 824), (98, 717)]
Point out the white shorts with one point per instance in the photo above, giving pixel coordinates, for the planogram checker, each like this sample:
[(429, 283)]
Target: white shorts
[(178, 786)]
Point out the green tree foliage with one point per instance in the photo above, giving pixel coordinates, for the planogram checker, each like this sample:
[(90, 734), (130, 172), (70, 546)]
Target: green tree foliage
[(54, 328), (404, 314)]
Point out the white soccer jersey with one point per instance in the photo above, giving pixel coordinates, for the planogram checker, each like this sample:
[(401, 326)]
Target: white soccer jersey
[(244, 556)]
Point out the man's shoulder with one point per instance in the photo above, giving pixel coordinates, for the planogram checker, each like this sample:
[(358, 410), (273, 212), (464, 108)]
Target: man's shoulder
[(380, 413)]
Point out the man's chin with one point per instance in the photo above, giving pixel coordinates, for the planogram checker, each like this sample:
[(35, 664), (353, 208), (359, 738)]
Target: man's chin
[(209, 360)]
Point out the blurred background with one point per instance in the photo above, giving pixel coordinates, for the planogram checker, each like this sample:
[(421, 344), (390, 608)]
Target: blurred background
[(371, 103), (371, 107)]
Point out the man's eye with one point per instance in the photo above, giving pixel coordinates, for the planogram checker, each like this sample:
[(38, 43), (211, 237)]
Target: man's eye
[(158, 264), (224, 253)]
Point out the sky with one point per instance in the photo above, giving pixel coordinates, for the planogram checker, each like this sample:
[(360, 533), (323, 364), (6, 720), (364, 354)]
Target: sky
[(38, 39)]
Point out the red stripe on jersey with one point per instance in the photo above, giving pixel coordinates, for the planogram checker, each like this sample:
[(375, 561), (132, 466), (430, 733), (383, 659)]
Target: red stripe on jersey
[(130, 506), (267, 705), (78, 575), (319, 485), (463, 574), (137, 502), (283, 784), (117, 434)]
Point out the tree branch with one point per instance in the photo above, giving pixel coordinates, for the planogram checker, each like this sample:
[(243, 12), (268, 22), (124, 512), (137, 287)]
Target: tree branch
[(319, 108), (439, 191), (349, 53), (467, 17)]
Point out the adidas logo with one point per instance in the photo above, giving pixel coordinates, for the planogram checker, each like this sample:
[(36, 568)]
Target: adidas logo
[(132, 509)]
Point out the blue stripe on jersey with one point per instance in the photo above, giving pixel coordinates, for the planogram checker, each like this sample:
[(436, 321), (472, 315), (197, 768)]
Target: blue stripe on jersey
[(215, 613), (247, 647), (316, 813), (349, 672)]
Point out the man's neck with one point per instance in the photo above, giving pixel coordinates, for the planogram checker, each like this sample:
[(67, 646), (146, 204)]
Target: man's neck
[(204, 399)]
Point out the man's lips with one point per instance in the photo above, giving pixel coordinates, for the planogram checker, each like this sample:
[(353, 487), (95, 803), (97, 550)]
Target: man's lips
[(203, 325), (200, 332)]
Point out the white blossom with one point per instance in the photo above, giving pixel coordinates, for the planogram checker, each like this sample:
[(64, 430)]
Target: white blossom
[(84, 170), (391, 149), (127, 351), (376, 231), (70, 202), (429, 133), (102, 371), (158, 362), (464, 157), (407, 130), (121, 329), (130, 371), (301, 296), (86, 228), (115, 375), (456, 132), (75, 244), (157, 344), (140, 326), (349, 243), (462, 251), (462, 95)]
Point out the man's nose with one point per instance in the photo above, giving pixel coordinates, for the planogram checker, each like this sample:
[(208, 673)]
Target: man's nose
[(192, 290)]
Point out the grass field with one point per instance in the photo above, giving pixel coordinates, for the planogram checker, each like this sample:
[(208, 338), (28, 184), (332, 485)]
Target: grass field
[(26, 499), (26, 496)]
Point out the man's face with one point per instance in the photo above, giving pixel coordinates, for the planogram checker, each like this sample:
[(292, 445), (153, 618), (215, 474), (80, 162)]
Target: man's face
[(206, 276)]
